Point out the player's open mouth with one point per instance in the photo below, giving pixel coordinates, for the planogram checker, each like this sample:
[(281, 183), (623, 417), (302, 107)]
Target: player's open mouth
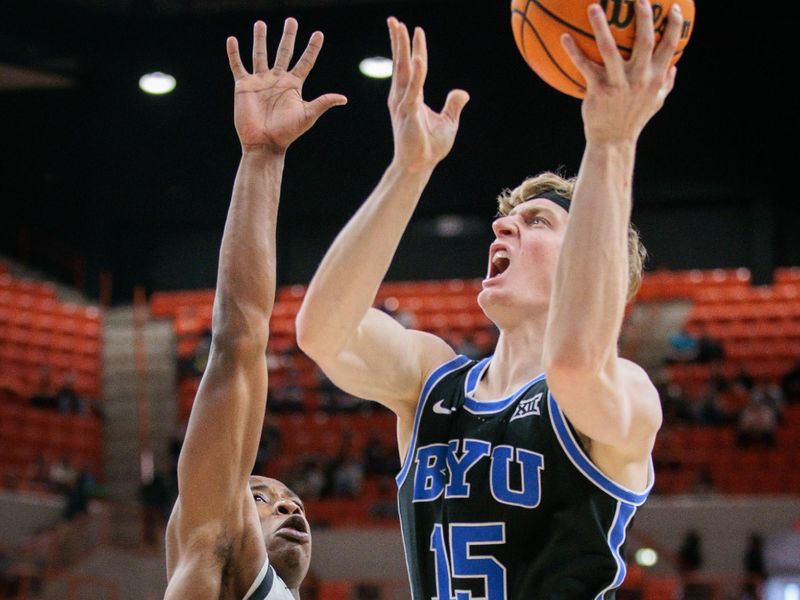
[(294, 528), (498, 264)]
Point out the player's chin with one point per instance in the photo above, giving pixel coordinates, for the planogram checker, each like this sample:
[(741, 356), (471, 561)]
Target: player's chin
[(289, 559)]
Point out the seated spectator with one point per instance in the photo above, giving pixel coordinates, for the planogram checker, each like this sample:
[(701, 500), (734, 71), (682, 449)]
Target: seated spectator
[(63, 475), (44, 396), (790, 384), (683, 347), (348, 476), (757, 424), (743, 379), (67, 399), (771, 394), (709, 349), (709, 408), (308, 478)]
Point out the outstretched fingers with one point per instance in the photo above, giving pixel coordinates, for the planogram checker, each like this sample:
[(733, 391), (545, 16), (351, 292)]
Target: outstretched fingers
[(309, 57), (234, 60), (662, 57), (607, 46), (588, 68), (260, 64), (316, 108), (419, 69), (644, 41), (286, 46), (455, 103)]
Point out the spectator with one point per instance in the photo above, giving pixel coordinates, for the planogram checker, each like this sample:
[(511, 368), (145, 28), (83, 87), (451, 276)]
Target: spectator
[(755, 573), (348, 476), (308, 479), (77, 497), (743, 379), (44, 396), (63, 475), (67, 399), (790, 384), (709, 349), (771, 394), (709, 408), (683, 347), (757, 424), (690, 555)]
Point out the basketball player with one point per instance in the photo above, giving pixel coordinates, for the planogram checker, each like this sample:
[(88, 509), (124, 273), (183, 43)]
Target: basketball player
[(232, 536), (521, 472)]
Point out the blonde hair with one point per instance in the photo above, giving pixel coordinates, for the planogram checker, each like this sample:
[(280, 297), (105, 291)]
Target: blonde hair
[(553, 182)]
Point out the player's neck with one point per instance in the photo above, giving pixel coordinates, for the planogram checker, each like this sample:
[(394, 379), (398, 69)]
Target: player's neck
[(517, 359)]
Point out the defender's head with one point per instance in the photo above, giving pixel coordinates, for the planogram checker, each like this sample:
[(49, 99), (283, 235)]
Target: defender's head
[(529, 232), (287, 533)]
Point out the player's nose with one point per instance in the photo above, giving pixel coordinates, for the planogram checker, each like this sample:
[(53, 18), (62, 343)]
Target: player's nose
[(503, 226), (287, 507)]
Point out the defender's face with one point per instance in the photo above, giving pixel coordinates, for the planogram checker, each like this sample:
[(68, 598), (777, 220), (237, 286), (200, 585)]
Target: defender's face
[(522, 260), (287, 533)]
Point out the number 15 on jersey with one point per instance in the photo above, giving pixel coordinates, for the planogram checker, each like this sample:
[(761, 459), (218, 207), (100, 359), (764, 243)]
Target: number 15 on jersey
[(461, 562)]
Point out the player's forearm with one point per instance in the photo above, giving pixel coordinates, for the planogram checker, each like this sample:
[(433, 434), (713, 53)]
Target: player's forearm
[(589, 296), (246, 275), (347, 280)]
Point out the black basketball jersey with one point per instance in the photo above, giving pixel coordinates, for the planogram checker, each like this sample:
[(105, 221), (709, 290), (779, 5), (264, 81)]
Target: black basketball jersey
[(268, 586), (499, 501)]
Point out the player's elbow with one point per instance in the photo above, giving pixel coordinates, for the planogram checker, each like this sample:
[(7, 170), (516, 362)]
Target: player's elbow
[(312, 337)]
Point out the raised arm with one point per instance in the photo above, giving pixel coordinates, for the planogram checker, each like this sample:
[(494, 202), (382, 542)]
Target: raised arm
[(361, 349), (226, 420), (608, 399)]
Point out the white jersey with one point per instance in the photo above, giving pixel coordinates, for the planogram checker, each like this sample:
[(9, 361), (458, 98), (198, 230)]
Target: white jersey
[(268, 586)]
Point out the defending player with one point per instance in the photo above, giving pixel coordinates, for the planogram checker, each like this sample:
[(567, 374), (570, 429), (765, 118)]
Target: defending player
[(522, 472), (232, 536)]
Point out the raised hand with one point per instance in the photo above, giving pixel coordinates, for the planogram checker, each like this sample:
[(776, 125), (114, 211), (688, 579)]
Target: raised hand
[(269, 110), (622, 96), (422, 137)]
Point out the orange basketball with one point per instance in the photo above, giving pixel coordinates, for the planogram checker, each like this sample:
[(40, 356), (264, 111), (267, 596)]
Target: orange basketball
[(538, 25)]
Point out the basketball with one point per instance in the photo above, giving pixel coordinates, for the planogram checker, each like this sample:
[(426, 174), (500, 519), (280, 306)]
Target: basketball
[(539, 24)]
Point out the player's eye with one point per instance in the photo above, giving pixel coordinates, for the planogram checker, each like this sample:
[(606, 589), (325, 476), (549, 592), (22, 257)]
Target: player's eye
[(259, 498)]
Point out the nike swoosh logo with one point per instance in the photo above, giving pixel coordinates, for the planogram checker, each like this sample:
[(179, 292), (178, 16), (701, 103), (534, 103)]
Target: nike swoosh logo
[(440, 409)]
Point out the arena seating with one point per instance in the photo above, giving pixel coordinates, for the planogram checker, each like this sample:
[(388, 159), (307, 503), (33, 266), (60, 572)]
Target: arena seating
[(759, 326), (37, 330)]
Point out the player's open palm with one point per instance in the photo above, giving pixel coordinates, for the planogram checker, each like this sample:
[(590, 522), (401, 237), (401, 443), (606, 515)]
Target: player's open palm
[(422, 137), (623, 95), (269, 110)]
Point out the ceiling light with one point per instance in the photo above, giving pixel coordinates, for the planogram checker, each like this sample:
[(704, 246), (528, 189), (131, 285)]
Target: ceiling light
[(377, 67), (157, 83)]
